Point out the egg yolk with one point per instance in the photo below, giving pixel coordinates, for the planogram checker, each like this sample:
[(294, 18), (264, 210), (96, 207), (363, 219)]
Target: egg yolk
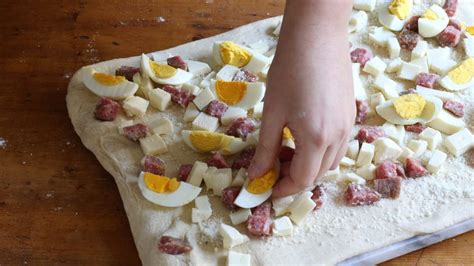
[(263, 183), (162, 70), (232, 54), (160, 184), (209, 141), (410, 106), (470, 30), (430, 14), (287, 134), (230, 92), (463, 73), (400, 8), (109, 80)]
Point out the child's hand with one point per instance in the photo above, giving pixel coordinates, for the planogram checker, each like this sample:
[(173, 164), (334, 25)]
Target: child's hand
[(309, 89)]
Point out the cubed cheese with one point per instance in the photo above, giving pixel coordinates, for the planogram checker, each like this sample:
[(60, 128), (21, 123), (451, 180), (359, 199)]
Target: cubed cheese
[(408, 71), (200, 215), (394, 65), (231, 237), (422, 62), (239, 178), (231, 114), (396, 133), (459, 142), (208, 176), (366, 5), (191, 88), (375, 66), (359, 90), (358, 21), (393, 48), (436, 161), (252, 138), (280, 205), (153, 145), (277, 29), (447, 123), (240, 216), (159, 99), (191, 113), (124, 123), (205, 122), (221, 179), (331, 175), (366, 154), (204, 98), (367, 171), (238, 259), (227, 73), (202, 203), (417, 146), (386, 149), (346, 162), (349, 177), (380, 35), (376, 99), (353, 149), (135, 105), (406, 153), (439, 60), (301, 207), (432, 136), (282, 226), (160, 125), (468, 44), (420, 50), (386, 86), (260, 46), (197, 173), (258, 110)]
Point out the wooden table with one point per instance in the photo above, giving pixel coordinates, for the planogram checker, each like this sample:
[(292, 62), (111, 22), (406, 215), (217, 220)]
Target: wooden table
[(57, 204)]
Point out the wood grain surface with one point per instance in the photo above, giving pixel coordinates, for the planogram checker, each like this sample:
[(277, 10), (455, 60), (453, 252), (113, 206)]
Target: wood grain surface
[(57, 204)]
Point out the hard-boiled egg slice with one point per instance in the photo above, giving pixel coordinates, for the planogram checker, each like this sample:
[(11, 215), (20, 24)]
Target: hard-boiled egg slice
[(237, 93), (410, 109), (162, 73), (393, 15), (230, 53), (205, 141), (174, 193), (106, 85), (460, 77), (255, 192), (432, 22)]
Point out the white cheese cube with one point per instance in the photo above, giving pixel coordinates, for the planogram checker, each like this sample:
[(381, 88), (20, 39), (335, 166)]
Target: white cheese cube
[(386, 86), (258, 110), (353, 149), (205, 122), (277, 29), (439, 60), (380, 35), (200, 215), (468, 44), (408, 71), (420, 50), (124, 123), (422, 62), (358, 21), (301, 207), (386, 149), (394, 65), (367, 171), (238, 259), (221, 179), (258, 63), (159, 99), (350, 178), (202, 203), (443, 95), (366, 154), (198, 68), (366, 5), (231, 114), (417, 146), (447, 123), (393, 48), (376, 99), (240, 216), (227, 73), (252, 138), (331, 175), (432, 136), (204, 98), (460, 142), (191, 113), (191, 88), (396, 133), (260, 46), (197, 173), (406, 153), (359, 90), (280, 205), (231, 237), (208, 177), (135, 105), (282, 226), (346, 162), (375, 66), (239, 178), (264, 73), (160, 125), (206, 81), (436, 161), (153, 145)]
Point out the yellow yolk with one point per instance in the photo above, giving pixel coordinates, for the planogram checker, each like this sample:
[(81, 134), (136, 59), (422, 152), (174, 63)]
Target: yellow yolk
[(263, 183), (430, 14), (230, 92), (109, 80), (209, 141), (470, 30), (162, 70), (410, 105), (463, 73), (400, 8), (232, 54), (287, 134), (160, 183)]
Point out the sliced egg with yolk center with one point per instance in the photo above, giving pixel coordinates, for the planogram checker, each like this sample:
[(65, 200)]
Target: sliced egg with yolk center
[(230, 53), (165, 191), (164, 74), (107, 85), (410, 109), (254, 192), (393, 15), (459, 78), (432, 22), (205, 141), (237, 93)]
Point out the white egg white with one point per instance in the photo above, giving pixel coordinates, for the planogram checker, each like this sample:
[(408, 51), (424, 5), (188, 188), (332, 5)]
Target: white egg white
[(253, 95), (256, 64), (182, 196), (450, 85), (179, 78), (429, 28), (432, 108), (120, 91), (236, 144), (388, 20)]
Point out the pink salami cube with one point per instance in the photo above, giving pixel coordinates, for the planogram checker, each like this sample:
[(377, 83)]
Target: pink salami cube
[(405, 92), (412, 24), (454, 107), (450, 6), (106, 109), (263, 209), (386, 169), (370, 133), (245, 75), (179, 96), (426, 80), (154, 165), (415, 128), (408, 39), (177, 62), (317, 197), (136, 132), (216, 108), (217, 160), (173, 246), (184, 171), (127, 71), (244, 159), (362, 111), (449, 37), (389, 187), (414, 168), (229, 194), (259, 225), (241, 127), (360, 195), (361, 56)]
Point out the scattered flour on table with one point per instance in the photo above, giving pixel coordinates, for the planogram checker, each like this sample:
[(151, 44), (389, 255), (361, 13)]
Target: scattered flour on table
[(3, 143)]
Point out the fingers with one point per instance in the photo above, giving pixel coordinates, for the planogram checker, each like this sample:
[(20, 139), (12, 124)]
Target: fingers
[(328, 159), (341, 153)]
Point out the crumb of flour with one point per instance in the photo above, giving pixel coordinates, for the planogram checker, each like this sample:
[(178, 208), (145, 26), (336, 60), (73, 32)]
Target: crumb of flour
[(160, 19), (3, 143)]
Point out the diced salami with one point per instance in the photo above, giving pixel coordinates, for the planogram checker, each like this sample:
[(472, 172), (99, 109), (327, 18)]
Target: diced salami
[(408, 39), (361, 56), (454, 107), (244, 159), (400, 170), (216, 108), (245, 75), (241, 127), (286, 154), (178, 96), (360, 195), (127, 71), (362, 111), (415, 128), (450, 6), (154, 165), (470, 158), (177, 62), (414, 168), (412, 24), (449, 37), (370, 134), (184, 171), (229, 194), (173, 246), (426, 80), (106, 109), (405, 92), (389, 187), (259, 225), (136, 132), (455, 23), (386, 169), (217, 160), (263, 209), (318, 194)]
